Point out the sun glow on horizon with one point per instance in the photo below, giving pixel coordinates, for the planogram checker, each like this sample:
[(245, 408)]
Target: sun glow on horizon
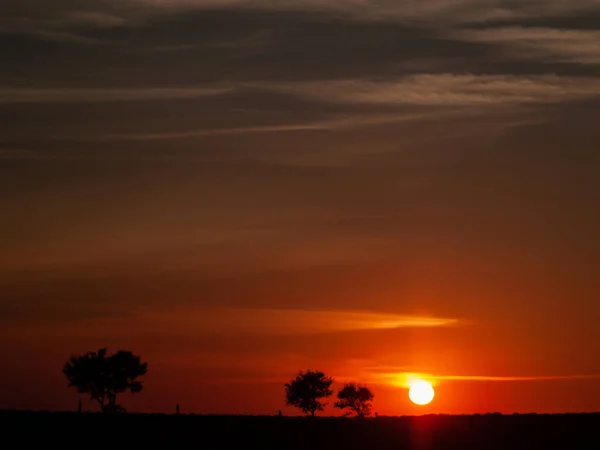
[(421, 392), (406, 379)]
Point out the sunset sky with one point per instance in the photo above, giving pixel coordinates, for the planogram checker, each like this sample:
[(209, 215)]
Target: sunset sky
[(240, 189)]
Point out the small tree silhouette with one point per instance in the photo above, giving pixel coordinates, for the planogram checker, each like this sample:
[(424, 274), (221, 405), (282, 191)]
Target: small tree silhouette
[(103, 377), (355, 398), (306, 391)]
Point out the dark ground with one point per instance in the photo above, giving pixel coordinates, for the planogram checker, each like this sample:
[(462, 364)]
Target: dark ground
[(485, 432)]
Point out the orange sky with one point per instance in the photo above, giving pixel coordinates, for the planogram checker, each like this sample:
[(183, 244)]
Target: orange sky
[(223, 326), (240, 190), (235, 359)]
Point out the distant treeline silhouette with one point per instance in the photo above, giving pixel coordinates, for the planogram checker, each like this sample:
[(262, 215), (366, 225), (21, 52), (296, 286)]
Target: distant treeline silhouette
[(103, 377)]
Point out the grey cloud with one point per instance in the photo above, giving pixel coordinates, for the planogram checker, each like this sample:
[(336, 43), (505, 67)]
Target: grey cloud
[(28, 28), (104, 95), (61, 21), (174, 48), (435, 11), (544, 44), (438, 12), (92, 18), (450, 89), (56, 12), (184, 49), (331, 124)]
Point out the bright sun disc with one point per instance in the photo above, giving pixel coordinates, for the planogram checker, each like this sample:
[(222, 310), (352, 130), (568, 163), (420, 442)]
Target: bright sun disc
[(421, 392)]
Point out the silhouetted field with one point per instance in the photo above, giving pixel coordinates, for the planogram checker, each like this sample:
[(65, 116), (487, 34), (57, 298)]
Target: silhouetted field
[(486, 432)]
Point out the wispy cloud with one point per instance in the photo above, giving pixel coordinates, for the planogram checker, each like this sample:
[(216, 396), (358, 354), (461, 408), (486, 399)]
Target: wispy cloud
[(433, 11), (448, 89), (53, 17), (436, 95), (19, 95), (538, 43), (61, 24), (343, 123), (232, 321), (405, 379), (514, 378), (52, 35), (92, 18), (295, 321), (314, 126), (18, 154)]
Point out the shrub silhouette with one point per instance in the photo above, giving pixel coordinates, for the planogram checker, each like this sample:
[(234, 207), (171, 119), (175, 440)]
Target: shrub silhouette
[(355, 398), (307, 390), (103, 377)]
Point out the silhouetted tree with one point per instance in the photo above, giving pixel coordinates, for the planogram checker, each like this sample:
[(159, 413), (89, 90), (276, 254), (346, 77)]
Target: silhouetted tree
[(307, 390), (355, 398), (103, 377)]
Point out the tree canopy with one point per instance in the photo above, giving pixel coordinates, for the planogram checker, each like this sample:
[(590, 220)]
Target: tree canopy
[(307, 391), (102, 377), (355, 398)]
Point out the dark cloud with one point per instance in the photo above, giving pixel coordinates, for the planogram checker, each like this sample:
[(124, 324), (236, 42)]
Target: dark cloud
[(158, 44), (227, 45)]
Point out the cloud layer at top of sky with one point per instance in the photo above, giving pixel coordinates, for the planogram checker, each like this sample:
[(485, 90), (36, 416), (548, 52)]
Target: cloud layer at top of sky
[(311, 66), (160, 43), (453, 11), (110, 13)]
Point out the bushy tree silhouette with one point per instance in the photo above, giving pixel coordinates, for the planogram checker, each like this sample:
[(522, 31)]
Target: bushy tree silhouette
[(355, 398), (307, 391), (103, 377)]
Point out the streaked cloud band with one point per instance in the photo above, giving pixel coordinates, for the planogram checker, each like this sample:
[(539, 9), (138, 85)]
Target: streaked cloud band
[(256, 321)]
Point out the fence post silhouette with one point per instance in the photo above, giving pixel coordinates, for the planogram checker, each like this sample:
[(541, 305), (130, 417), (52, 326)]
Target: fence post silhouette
[(177, 409), (79, 406)]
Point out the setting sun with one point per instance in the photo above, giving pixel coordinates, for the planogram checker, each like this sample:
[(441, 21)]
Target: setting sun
[(421, 392)]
